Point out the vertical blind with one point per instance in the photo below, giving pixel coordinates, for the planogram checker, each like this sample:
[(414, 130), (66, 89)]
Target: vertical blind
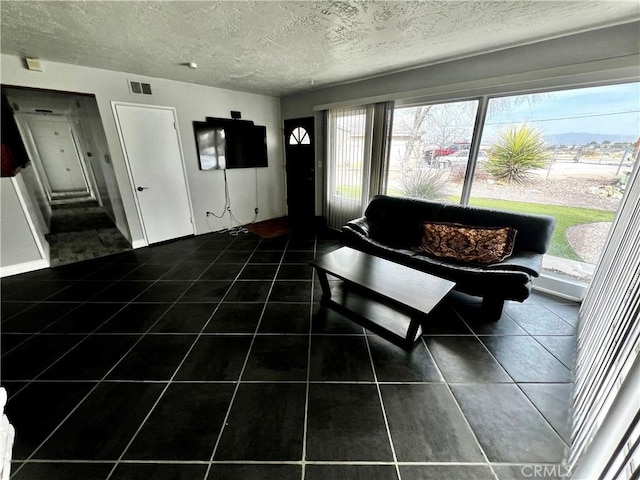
[(380, 147), (607, 366), (358, 141), (349, 147)]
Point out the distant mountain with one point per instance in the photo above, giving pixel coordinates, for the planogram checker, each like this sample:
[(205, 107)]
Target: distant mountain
[(582, 138)]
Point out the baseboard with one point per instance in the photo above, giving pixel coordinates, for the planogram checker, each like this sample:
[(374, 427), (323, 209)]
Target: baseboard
[(562, 287), (139, 244), (24, 267)]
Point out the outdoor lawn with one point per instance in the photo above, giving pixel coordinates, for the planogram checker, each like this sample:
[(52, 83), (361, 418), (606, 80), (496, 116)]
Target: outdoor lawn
[(566, 217)]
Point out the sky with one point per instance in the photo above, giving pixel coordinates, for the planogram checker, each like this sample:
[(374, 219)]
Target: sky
[(613, 109)]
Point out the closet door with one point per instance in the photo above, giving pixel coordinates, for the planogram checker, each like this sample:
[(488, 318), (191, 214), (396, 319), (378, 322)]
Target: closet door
[(152, 151)]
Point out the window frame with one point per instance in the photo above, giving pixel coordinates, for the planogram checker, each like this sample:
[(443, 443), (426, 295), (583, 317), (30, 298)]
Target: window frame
[(549, 282)]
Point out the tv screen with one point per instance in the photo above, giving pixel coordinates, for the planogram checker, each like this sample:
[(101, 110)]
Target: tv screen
[(223, 143), (250, 147), (211, 145)]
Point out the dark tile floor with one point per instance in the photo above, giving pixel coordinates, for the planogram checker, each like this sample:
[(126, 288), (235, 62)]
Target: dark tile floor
[(210, 358)]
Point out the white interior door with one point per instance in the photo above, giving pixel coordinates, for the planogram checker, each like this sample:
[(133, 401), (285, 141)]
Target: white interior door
[(58, 154), (150, 142)]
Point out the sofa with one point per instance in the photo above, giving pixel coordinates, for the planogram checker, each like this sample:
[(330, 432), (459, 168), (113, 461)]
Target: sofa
[(393, 228)]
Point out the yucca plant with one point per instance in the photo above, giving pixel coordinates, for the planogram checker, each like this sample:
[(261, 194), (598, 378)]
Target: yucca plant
[(517, 152), (429, 183)]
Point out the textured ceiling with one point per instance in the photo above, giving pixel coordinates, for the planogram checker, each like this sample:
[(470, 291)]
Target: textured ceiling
[(281, 47)]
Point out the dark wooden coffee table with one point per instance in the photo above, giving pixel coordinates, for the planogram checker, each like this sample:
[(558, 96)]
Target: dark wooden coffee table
[(386, 297)]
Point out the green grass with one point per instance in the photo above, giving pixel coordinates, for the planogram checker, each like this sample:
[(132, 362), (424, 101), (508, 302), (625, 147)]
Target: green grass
[(566, 217), (355, 193), (348, 191)]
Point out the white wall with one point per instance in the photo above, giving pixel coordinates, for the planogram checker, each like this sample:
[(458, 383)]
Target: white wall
[(559, 59), (100, 162), (37, 202), (18, 245), (192, 102), (599, 56)]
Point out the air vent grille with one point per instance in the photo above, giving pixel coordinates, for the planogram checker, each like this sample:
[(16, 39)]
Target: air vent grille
[(140, 88)]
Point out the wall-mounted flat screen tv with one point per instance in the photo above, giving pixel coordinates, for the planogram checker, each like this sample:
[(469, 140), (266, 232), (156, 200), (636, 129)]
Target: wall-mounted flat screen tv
[(211, 145), (223, 143)]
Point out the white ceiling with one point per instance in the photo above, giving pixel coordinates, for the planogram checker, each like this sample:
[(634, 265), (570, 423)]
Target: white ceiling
[(281, 47)]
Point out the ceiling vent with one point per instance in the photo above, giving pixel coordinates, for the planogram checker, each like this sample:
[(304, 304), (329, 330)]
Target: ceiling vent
[(139, 88)]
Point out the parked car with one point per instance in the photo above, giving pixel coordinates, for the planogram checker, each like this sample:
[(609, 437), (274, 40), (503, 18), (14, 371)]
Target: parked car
[(461, 157), (430, 155)]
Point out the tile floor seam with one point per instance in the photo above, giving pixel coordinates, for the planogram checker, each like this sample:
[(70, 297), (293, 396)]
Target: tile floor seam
[(169, 382), (567, 444), (550, 311), (266, 462), (246, 360), (34, 304), (40, 332), (455, 401), (97, 383), (517, 384), (294, 382), (86, 337), (79, 305), (111, 283), (254, 336), (553, 354), (477, 337), (560, 316), (384, 412), (306, 395), (151, 410)]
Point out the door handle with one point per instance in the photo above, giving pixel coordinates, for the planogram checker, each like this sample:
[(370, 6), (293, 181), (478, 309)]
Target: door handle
[(142, 188)]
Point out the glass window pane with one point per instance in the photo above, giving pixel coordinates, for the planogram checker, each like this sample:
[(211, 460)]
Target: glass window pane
[(430, 150), (347, 162), (299, 136), (567, 154)]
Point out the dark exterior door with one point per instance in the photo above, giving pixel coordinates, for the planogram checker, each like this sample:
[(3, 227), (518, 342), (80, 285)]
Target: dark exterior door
[(300, 155)]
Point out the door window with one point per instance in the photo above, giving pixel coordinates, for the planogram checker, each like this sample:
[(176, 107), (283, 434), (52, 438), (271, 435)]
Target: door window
[(299, 136)]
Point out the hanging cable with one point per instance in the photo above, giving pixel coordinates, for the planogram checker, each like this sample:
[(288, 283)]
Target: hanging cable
[(227, 206), (239, 228)]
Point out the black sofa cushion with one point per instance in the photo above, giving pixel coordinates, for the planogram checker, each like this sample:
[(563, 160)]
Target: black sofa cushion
[(391, 226)]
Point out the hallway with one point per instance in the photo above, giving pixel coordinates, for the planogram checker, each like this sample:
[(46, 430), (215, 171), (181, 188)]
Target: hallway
[(82, 231)]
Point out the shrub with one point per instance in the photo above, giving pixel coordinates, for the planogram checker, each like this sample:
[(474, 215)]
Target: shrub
[(515, 154), (429, 183), (458, 173)]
